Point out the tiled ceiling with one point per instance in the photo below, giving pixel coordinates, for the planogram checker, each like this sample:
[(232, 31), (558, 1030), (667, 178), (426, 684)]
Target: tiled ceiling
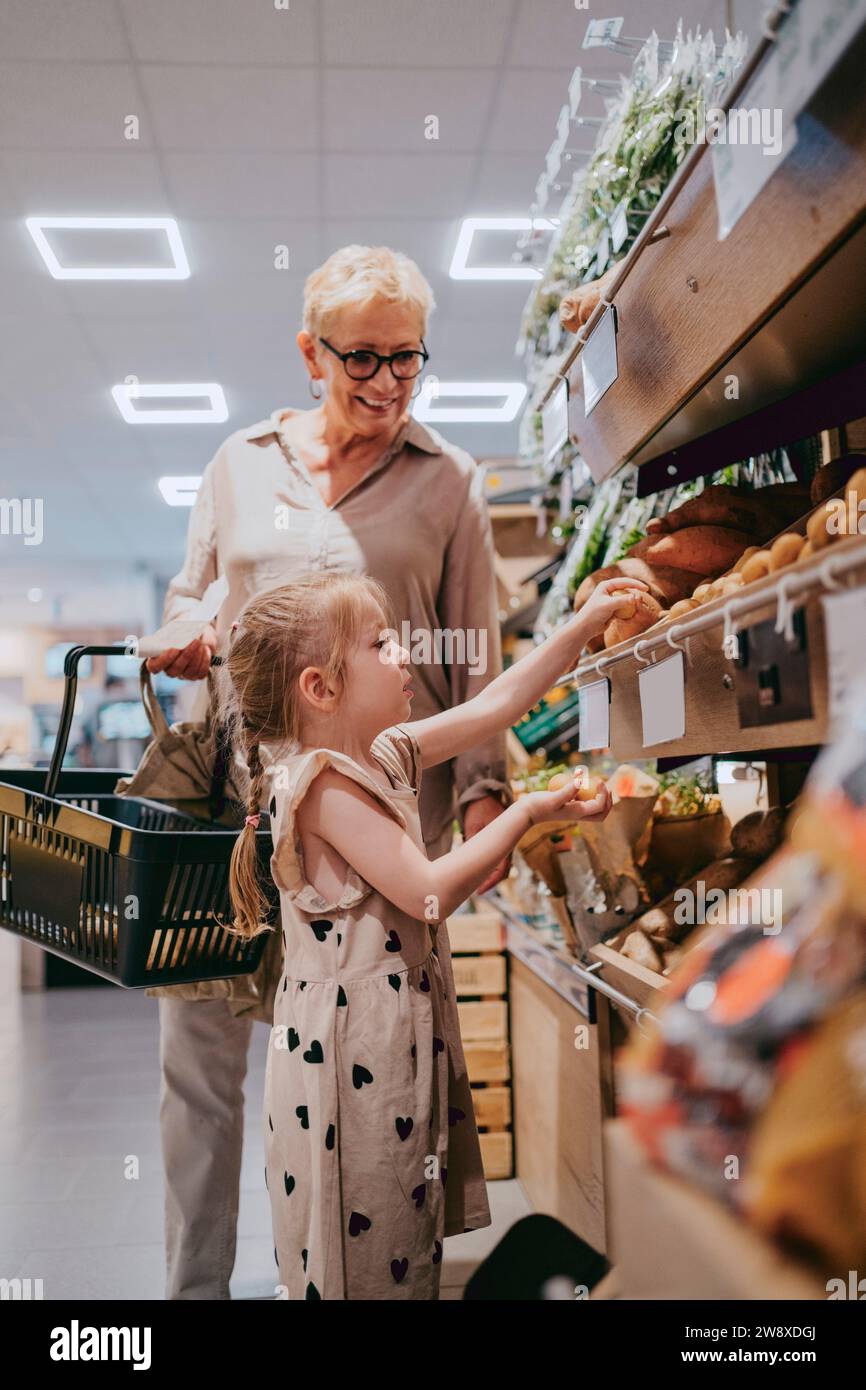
[(257, 126)]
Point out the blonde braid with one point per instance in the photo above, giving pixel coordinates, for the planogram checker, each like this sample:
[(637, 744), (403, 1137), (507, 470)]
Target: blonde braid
[(249, 903)]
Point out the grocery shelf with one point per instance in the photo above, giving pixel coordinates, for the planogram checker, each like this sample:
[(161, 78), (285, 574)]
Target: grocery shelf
[(778, 303), (712, 715)]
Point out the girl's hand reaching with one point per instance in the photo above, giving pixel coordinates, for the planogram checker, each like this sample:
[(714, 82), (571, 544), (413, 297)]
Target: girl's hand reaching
[(574, 801), (612, 598)]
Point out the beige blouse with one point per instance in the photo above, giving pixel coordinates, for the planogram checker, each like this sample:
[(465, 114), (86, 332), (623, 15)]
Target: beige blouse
[(417, 522)]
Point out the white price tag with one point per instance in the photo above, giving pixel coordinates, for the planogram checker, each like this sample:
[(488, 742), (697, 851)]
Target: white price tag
[(575, 91), (594, 715), (563, 127), (809, 41), (554, 332), (663, 700), (750, 144), (598, 361), (554, 419), (845, 629), (600, 31), (619, 225), (602, 252)]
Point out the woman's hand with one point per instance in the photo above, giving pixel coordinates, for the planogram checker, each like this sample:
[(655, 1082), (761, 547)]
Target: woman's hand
[(191, 663), (612, 598), (578, 305), (564, 805)]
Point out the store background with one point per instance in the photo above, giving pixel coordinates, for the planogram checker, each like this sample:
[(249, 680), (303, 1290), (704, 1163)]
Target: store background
[(257, 128)]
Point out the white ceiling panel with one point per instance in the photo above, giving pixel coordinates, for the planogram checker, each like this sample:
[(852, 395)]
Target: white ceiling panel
[(427, 184), (68, 106), (230, 184), (368, 110), (416, 33), (221, 109), (86, 29), (222, 31)]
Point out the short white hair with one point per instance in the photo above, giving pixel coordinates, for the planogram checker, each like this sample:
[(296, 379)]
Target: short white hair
[(357, 274)]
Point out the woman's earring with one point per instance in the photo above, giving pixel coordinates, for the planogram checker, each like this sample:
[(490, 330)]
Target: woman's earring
[(315, 396)]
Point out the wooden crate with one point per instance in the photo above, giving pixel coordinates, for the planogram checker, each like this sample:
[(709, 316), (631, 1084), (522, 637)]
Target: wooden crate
[(479, 966)]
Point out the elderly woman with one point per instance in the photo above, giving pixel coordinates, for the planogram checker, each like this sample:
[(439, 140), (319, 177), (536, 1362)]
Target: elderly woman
[(354, 484)]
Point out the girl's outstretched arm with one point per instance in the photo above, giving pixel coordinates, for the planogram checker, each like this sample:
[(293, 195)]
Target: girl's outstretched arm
[(343, 814), (510, 695)]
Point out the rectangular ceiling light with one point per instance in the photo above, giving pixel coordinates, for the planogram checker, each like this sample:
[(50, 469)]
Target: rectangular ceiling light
[(432, 391), (178, 271), (125, 393), (180, 491), (460, 270)]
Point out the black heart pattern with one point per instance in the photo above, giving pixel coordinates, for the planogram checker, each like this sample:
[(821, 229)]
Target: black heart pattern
[(404, 1127), (304, 1258), (342, 1001), (358, 1223), (437, 1251), (321, 926), (314, 1052), (272, 806), (393, 942), (329, 1137), (360, 1076), (303, 1115), (425, 982), (438, 1046), (313, 1292), (266, 1175), (395, 982), (294, 1040), (412, 1049), (418, 1194), (271, 1123), (339, 938), (302, 984), (455, 1115), (289, 1184), (399, 1270)]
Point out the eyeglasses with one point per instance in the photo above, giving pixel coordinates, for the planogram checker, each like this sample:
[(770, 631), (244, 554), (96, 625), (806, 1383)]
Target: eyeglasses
[(361, 363)]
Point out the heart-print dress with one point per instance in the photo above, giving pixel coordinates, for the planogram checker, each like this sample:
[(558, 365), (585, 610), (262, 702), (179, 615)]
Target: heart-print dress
[(371, 1145)]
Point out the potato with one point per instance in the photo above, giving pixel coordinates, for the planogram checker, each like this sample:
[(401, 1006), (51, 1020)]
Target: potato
[(806, 551), (588, 791), (785, 550), (746, 555), (730, 584), (626, 609), (756, 567), (647, 612), (638, 948), (685, 605), (816, 526), (702, 593)]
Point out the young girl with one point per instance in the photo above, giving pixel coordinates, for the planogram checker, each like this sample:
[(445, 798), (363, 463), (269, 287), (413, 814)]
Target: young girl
[(372, 1151)]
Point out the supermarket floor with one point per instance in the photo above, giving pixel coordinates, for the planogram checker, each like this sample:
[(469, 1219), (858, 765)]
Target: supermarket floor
[(79, 1091)]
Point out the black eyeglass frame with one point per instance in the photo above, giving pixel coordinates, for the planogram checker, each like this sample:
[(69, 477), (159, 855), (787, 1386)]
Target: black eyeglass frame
[(368, 352)]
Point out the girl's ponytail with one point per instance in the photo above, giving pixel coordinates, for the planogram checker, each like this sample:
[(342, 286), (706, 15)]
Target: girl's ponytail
[(250, 906)]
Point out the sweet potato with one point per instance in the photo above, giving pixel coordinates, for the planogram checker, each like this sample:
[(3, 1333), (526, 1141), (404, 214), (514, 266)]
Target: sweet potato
[(666, 585), (704, 550), (647, 611), (761, 513), (833, 476)]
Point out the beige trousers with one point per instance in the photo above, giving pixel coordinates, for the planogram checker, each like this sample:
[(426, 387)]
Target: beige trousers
[(203, 1057)]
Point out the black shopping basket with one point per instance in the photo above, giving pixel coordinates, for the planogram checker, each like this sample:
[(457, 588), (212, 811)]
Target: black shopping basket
[(126, 887)]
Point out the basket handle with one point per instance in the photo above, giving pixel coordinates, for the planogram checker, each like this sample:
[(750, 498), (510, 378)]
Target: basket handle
[(70, 672)]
